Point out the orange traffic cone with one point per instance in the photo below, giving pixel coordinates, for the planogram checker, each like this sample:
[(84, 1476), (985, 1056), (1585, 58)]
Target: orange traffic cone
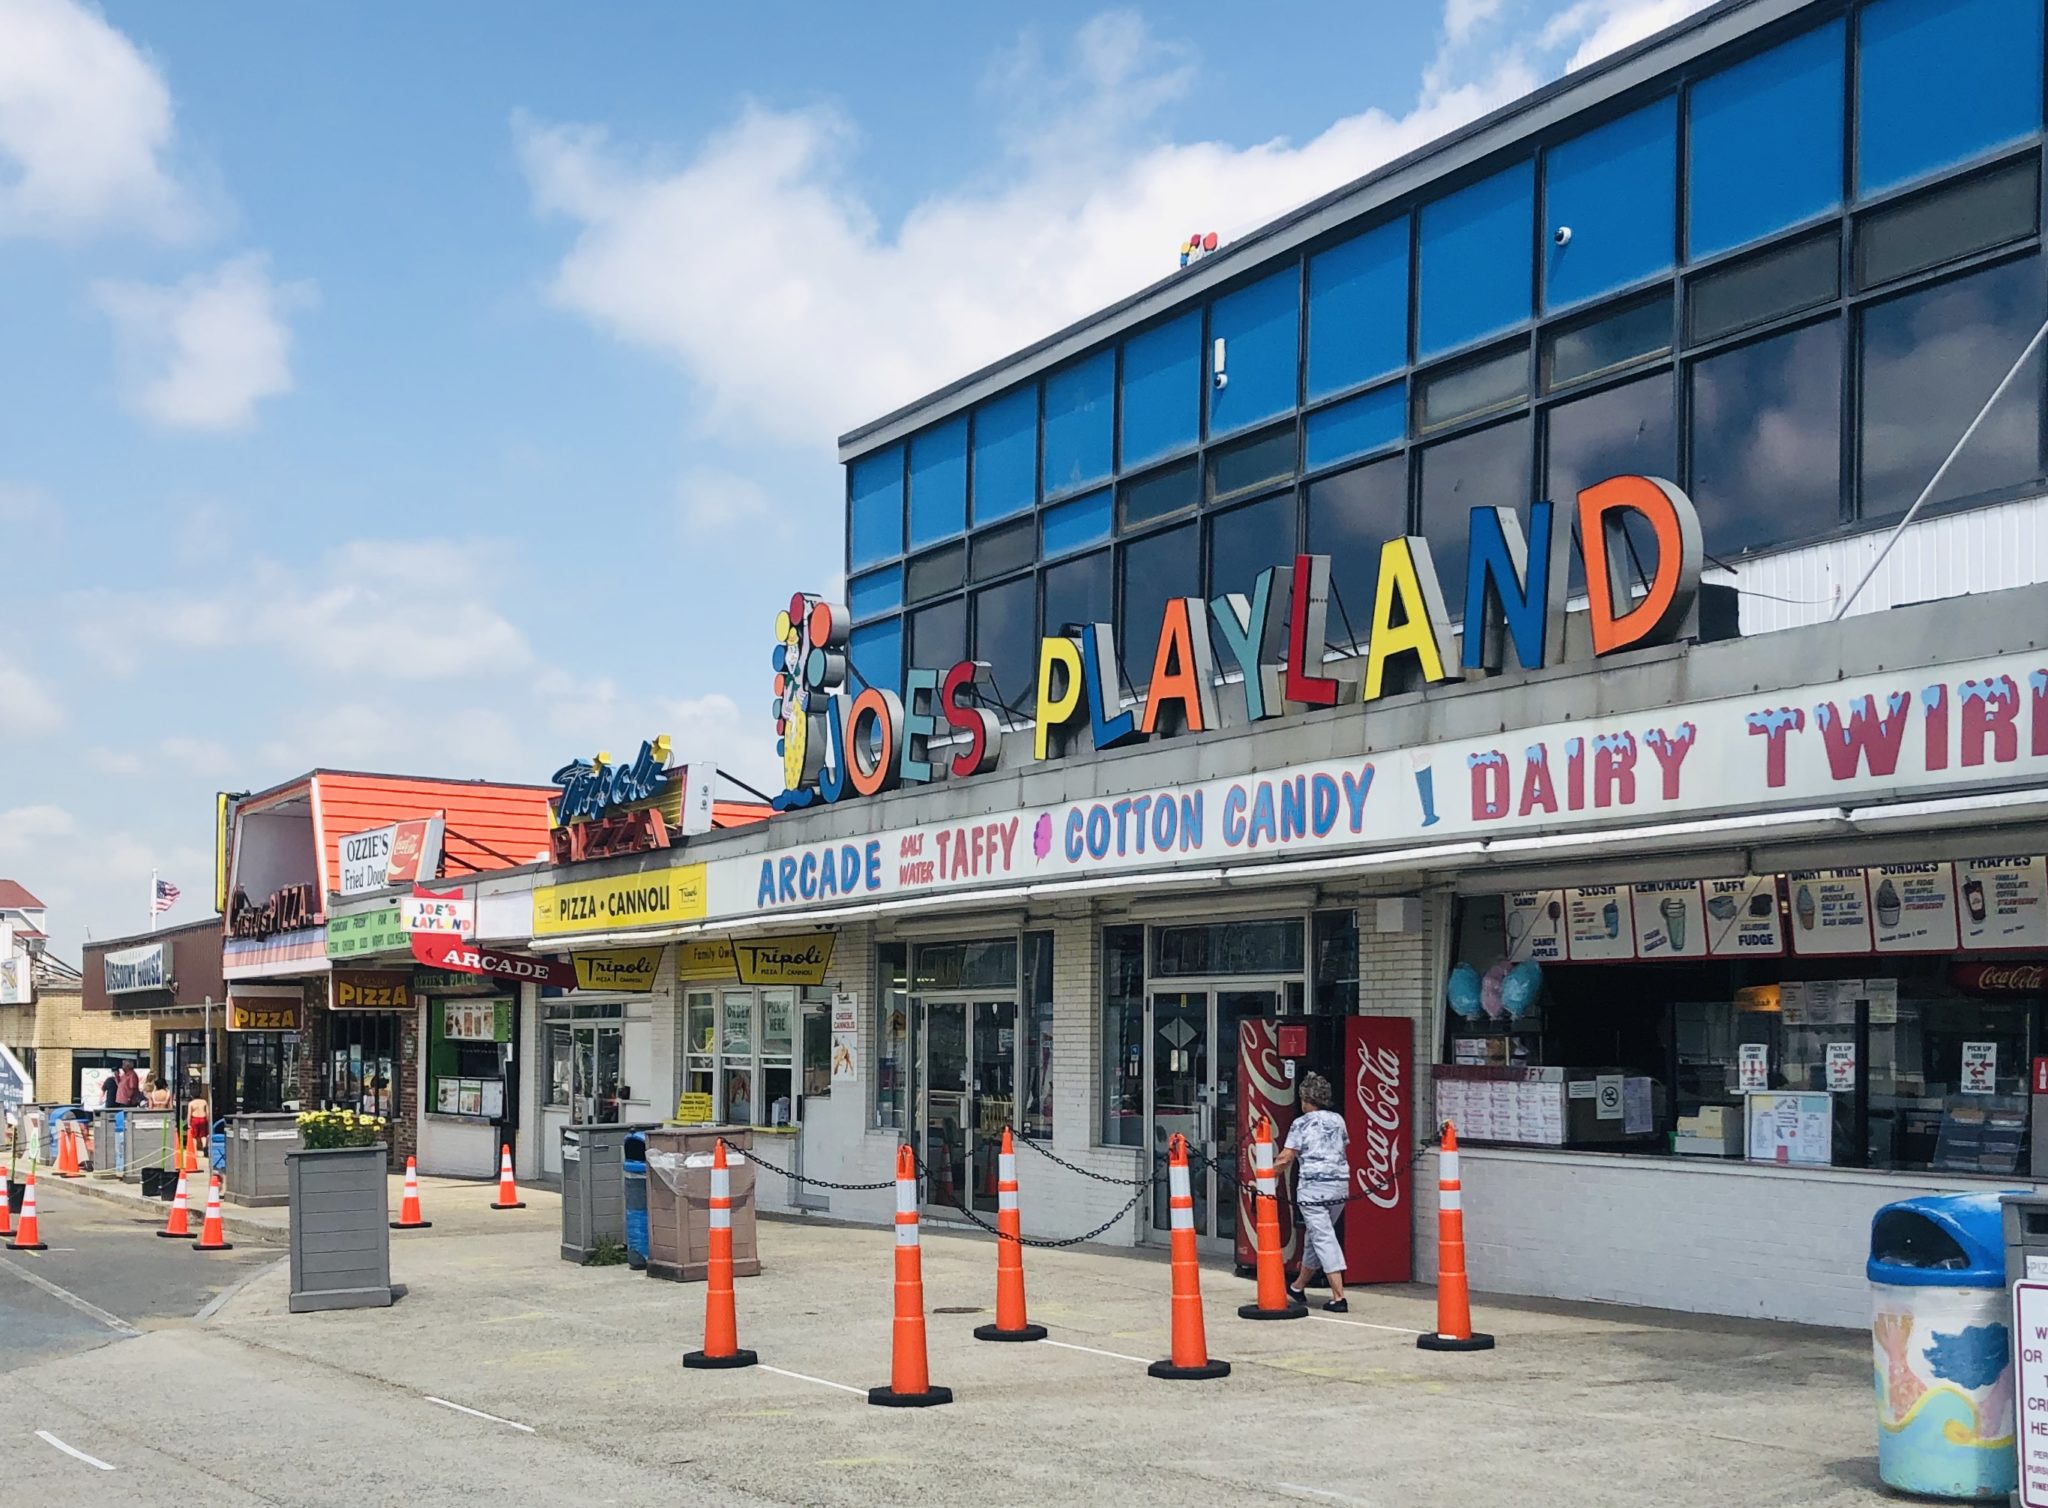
[(1190, 1360), (188, 1151), (27, 1237), (67, 1151), (721, 1324), (910, 1383), (6, 1211), (179, 1226), (1010, 1321), (409, 1206), (1273, 1304), (1453, 1297), (212, 1237), (508, 1191)]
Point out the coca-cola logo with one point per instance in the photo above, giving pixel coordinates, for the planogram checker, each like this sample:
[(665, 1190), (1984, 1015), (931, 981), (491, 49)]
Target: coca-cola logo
[(1376, 1086), (2001, 978)]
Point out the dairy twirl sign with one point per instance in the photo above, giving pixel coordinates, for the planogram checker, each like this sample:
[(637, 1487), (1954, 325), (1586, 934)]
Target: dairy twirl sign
[(1379, 1113)]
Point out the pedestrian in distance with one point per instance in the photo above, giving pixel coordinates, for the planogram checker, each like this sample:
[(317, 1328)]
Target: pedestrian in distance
[(1317, 1143), (127, 1087), (110, 1089), (198, 1113), (156, 1096)]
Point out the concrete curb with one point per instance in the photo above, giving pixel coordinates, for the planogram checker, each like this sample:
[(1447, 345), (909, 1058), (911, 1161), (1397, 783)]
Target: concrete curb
[(119, 1193)]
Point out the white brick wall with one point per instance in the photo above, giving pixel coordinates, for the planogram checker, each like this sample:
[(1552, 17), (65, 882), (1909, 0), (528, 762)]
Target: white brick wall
[(1701, 1236)]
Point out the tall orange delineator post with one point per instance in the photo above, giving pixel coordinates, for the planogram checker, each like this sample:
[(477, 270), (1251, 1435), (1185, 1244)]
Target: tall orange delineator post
[(721, 1321), (910, 1383), (1011, 1323), (1273, 1304), (1453, 1298), (1190, 1360)]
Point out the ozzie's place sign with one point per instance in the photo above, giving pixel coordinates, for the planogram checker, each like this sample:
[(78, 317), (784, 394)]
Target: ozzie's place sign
[(835, 744)]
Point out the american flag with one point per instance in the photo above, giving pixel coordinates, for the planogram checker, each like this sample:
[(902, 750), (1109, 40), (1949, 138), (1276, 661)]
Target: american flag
[(166, 896)]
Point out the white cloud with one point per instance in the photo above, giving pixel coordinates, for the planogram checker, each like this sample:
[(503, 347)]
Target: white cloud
[(27, 708), (775, 287), (85, 127), (204, 353), (202, 756), (1596, 28), (714, 498), (1463, 17)]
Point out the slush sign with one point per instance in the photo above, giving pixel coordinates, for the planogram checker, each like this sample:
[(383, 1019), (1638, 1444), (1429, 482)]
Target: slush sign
[(834, 744)]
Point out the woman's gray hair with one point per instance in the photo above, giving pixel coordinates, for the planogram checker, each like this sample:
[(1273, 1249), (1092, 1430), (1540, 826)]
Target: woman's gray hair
[(1315, 1090)]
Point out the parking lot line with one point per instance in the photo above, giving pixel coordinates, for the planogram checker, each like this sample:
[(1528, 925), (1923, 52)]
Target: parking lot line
[(461, 1408), (822, 1382), (1094, 1351), (1320, 1492), (71, 1450), (1331, 1319)]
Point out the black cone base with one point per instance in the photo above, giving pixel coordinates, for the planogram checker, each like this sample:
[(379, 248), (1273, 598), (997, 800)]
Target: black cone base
[(1203, 1373), (220, 1246), (995, 1332), (412, 1224), (889, 1398), (1473, 1342), (1291, 1311), (517, 1204), (38, 1246), (701, 1362), (179, 1235)]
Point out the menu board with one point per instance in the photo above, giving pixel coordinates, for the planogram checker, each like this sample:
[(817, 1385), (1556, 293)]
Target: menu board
[(1599, 923), (1670, 919), (1742, 917), (1535, 923), (1830, 911), (2004, 902), (1913, 908), (1796, 1130)]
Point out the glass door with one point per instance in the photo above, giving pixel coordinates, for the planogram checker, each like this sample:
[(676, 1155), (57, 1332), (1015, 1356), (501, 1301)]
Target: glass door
[(970, 1094), (594, 1089), (1191, 1038)]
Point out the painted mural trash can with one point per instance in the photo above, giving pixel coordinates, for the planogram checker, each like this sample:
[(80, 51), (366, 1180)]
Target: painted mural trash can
[(1941, 1347)]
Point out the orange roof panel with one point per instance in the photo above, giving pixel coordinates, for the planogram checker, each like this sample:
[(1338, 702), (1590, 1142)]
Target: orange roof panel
[(488, 826)]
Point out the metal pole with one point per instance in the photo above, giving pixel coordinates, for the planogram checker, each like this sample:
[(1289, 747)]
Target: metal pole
[(206, 1079), (1941, 471), (152, 900)]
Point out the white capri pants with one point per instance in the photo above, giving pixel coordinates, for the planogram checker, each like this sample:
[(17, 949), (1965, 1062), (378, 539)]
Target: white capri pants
[(1319, 1246)]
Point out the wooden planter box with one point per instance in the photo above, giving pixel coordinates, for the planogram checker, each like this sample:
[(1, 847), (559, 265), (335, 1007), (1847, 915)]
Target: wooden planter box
[(340, 1238)]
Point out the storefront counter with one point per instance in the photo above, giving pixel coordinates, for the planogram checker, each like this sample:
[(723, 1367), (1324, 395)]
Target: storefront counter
[(1673, 1232)]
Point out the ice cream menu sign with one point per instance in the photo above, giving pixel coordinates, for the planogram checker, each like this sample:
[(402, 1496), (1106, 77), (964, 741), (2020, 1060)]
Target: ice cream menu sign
[(1670, 919), (1913, 908), (2002, 902), (1600, 923), (1830, 911)]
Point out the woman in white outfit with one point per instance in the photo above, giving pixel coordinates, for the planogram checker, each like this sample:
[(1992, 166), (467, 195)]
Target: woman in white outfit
[(1318, 1142)]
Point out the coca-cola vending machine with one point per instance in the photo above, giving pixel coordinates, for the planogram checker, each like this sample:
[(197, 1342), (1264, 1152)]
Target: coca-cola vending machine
[(1378, 1103), (1272, 1055)]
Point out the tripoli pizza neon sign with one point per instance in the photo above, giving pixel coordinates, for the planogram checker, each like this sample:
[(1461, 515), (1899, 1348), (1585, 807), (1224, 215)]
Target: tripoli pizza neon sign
[(836, 744)]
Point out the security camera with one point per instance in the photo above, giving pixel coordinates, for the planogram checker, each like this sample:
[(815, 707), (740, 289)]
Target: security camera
[(1562, 235)]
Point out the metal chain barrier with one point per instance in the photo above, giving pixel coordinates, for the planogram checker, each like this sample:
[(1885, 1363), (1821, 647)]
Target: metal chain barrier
[(1043, 1242), (816, 1183), (1072, 1167)]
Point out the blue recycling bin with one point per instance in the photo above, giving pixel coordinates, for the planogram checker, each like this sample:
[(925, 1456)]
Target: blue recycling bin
[(218, 1149), (636, 1202), (1942, 1347)]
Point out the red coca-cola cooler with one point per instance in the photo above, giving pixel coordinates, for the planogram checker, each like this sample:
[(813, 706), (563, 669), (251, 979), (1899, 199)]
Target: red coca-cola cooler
[(1369, 1061)]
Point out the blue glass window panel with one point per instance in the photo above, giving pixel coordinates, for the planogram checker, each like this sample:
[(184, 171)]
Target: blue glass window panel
[(938, 483), (1617, 188), (877, 592), (1006, 455), (1080, 424), (1260, 328), (1358, 310), (876, 650), (1766, 145), (875, 492), (1939, 81), (1371, 421), (1069, 526), (1474, 274), (1162, 390)]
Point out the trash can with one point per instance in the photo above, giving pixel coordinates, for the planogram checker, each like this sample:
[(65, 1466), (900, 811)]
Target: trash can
[(594, 1187), (679, 1202), (635, 1168), (1941, 1347), (257, 1172), (107, 1129), (149, 1148), (2026, 1237)]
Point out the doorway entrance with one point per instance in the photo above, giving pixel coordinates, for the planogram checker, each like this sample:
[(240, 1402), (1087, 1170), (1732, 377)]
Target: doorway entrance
[(594, 1067), (969, 1078), (1191, 1088)]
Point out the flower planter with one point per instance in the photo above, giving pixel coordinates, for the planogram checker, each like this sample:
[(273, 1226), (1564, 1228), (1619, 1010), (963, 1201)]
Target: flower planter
[(340, 1235), (257, 1148)]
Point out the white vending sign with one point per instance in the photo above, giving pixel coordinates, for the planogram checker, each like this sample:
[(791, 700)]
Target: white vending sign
[(1841, 1067), (1980, 1068), (1535, 922), (1755, 1072), (1600, 924), (1830, 911), (1742, 917), (1914, 908), (2004, 902), (1670, 919)]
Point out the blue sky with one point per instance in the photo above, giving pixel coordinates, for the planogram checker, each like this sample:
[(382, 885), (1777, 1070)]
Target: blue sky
[(452, 390)]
